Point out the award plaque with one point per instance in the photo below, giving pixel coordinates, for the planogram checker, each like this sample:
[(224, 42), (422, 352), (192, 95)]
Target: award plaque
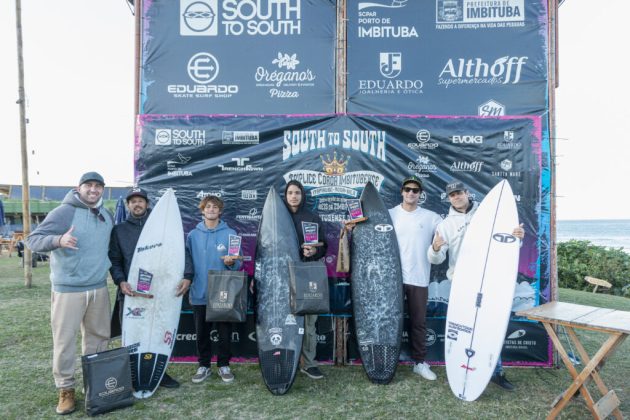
[(355, 211), (311, 234), (234, 248)]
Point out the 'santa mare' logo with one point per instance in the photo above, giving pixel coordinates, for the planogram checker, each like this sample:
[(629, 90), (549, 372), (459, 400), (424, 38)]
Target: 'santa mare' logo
[(505, 238)]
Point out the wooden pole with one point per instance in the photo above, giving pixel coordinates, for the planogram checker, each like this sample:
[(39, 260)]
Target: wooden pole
[(137, 52), (341, 323), (26, 212)]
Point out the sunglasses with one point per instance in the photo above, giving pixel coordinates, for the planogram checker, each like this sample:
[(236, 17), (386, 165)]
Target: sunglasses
[(410, 189)]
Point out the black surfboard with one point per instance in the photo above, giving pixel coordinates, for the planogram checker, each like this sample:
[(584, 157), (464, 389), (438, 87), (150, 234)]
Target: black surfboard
[(278, 333), (377, 294)]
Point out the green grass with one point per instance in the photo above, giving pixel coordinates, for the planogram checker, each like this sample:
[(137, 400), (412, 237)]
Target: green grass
[(27, 389)]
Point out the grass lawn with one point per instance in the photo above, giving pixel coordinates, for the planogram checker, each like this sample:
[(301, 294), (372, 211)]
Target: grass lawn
[(27, 389)]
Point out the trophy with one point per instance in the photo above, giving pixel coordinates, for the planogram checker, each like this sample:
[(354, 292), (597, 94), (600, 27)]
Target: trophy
[(234, 248), (311, 234), (355, 211)]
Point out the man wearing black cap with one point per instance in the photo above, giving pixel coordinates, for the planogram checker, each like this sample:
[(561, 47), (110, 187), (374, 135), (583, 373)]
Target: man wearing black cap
[(415, 227), (121, 249), (77, 234), (449, 237)]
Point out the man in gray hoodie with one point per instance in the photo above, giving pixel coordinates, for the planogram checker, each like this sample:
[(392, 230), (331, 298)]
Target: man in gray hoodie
[(77, 234)]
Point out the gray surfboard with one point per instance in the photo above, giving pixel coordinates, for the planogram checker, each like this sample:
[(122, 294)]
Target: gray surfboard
[(278, 333), (377, 294)]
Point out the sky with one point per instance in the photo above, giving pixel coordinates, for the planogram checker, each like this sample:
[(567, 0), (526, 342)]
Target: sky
[(79, 65)]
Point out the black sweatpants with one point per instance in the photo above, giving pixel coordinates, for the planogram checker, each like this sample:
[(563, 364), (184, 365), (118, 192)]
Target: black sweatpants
[(204, 341)]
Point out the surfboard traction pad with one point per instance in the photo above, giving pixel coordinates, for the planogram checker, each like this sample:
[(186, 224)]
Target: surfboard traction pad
[(148, 366), (279, 334), (377, 289)]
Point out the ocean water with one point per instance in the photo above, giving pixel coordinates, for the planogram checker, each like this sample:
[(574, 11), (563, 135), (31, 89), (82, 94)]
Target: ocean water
[(609, 233)]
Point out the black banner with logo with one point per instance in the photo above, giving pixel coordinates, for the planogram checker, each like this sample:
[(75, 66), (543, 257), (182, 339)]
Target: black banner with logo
[(447, 57), (334, 156), (238, 56)]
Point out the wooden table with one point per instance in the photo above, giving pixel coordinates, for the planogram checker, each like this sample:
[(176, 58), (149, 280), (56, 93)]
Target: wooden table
[(571, 316)]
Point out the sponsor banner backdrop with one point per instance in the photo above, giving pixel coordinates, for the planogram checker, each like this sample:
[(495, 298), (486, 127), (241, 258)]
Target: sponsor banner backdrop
[(237, 56), (239, 157), (447, 57), (243, 340)]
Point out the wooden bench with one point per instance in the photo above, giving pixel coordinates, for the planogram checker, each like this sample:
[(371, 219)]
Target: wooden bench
[(597, 282)]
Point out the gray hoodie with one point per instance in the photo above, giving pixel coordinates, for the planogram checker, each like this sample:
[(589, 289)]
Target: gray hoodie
[(75, 270)]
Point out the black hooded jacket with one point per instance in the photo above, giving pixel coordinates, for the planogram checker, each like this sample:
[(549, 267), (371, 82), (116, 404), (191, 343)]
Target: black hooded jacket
[(122, 245), (303, 215)]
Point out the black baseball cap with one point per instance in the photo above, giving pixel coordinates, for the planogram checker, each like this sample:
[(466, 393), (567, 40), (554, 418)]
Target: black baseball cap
[(412, 178), (455, 186), (92, 176), (137, 192)]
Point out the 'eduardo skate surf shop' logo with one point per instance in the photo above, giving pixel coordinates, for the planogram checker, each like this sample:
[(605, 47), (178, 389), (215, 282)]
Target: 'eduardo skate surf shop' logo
[(202, 69)]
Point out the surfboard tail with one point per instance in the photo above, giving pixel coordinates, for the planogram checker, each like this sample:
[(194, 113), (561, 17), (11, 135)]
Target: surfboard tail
[(278, 369), (380, 362)]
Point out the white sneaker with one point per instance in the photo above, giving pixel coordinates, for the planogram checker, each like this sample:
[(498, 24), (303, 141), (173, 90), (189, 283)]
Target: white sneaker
[(225, 374), (424, 370), (201, 375)]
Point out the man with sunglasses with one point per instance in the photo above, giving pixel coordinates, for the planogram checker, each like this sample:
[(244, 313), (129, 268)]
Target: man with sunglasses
[(77, 234), (415, 227), (449, 237)]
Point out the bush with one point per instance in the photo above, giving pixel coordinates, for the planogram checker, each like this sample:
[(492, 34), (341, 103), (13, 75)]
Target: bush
[(577, 259)]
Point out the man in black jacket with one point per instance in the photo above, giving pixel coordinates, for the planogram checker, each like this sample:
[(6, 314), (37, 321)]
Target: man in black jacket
[(121, 249), (294, 198)]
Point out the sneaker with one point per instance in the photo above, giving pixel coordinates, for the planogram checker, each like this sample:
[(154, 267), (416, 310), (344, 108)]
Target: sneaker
[(168, 382), (423, 369), (500, 380), (225, 374), (201, 375), (66, 401), (313, 372)]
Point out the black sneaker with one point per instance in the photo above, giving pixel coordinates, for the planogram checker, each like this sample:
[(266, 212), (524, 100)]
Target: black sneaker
[(313, 372), (168, 382), (500, 380)]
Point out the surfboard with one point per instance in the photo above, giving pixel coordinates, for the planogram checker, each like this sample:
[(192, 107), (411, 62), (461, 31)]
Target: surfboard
[(481, 294), (150, 324), (377, 293), (279, 334)]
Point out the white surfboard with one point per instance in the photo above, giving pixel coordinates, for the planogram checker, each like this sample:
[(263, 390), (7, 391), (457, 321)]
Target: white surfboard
[(150, 323), (481, 294)]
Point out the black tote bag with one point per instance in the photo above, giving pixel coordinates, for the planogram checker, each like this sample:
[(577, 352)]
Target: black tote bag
[(107, 381), (227, 296), (308, 286)]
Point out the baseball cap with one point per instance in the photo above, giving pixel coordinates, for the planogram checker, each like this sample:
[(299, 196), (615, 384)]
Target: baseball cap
[(412, 178), (92, 176), (137, 192), (455, 186)]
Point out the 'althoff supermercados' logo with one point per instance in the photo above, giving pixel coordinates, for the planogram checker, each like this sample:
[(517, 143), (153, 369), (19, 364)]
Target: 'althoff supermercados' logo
[(477, 72)]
